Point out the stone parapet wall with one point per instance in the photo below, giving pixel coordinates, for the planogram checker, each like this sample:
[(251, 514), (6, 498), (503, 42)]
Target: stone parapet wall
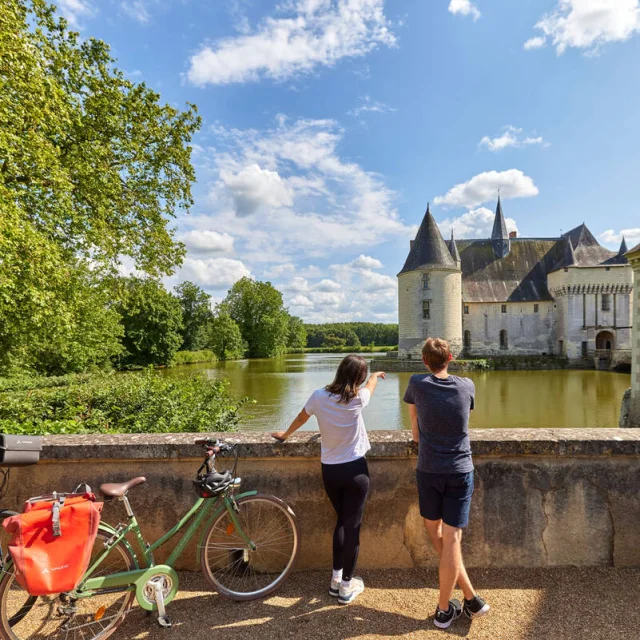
[(543, 497)]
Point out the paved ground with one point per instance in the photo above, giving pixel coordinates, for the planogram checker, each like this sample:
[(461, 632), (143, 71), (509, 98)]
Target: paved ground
[(531, 604)]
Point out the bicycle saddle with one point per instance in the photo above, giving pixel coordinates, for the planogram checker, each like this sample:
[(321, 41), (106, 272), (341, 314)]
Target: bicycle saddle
[(117, 490)]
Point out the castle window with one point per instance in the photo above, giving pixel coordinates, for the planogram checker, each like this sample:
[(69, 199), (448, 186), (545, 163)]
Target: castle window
[(585, 348), (504, 340), (466, 309), (606, 302), (467, 339), (425, 281), (426, 312), (504, 308), (608, 268), (536, 308)]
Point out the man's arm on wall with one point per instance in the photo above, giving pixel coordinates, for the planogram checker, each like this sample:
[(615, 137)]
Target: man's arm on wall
[(413, 414)]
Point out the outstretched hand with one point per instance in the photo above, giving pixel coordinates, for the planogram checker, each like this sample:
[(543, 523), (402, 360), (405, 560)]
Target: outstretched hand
[(379, 374)]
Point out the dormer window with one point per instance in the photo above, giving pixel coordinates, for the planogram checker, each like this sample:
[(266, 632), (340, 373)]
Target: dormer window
[(425, 281)]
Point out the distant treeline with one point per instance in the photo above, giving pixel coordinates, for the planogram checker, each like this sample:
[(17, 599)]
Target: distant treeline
[(351, 334)]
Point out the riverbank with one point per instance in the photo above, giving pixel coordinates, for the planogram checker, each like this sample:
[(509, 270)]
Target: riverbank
[(490, 363)]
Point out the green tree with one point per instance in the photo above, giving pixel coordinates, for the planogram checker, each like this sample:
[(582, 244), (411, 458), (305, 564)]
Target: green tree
[(334, 341), (55, 317), (297, 334), (351, 338), (257, 309), (152, 320), (196, 313), (222, 335)]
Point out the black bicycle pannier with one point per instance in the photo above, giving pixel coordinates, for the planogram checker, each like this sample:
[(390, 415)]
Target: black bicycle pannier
[(19, 451)]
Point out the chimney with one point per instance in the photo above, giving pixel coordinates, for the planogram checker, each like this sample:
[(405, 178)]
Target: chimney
[(513, 234)]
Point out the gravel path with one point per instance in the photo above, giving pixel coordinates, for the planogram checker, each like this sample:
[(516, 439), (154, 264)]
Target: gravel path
[(527, 604)]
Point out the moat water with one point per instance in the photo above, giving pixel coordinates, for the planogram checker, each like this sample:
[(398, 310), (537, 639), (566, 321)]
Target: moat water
[(524, 399)]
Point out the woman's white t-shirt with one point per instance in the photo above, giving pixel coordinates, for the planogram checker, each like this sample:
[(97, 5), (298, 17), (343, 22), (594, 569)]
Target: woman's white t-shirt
[(344, 437)]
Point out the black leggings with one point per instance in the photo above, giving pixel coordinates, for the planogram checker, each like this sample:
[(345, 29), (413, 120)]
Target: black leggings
[(347, 486)]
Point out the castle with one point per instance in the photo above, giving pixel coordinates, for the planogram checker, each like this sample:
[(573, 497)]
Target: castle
[(565, 296)]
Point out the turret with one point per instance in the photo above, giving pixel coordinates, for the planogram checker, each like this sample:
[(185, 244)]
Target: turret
[(453, 249), (500, 235), (429, 291)]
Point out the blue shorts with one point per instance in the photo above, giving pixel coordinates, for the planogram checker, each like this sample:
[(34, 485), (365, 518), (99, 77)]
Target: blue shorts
[(445, 496)]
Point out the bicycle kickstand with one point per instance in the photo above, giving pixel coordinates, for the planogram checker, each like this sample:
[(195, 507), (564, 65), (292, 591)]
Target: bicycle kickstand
[(163, 618)]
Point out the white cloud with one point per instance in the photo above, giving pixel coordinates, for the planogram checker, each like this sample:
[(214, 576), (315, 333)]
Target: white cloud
[(206, 242), (278, 270), (367, 105), (484, 187), (74, 10), (366, 262), (300, 301), (254, 188), (510, 138), (477, 223), (614, 238), (215, 273), (464, 8), (378, 282), (136, 9), (587, 24), (311, 201), (312, 33), (535, 43), (297, 284), (327, 285)]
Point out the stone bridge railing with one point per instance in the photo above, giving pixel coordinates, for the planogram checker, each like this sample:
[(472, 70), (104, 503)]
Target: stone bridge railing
[(544, 497)]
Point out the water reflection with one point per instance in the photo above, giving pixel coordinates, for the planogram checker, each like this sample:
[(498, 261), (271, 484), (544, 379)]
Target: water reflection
[(281, 386)]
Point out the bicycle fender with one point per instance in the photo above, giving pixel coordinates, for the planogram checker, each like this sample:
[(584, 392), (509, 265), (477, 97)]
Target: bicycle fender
[(110, 532), (216, 513)]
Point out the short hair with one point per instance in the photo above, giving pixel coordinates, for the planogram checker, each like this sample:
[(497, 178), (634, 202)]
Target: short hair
[(436, 353)]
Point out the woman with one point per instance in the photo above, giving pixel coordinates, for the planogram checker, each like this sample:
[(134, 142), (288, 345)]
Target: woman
[(338, 410)]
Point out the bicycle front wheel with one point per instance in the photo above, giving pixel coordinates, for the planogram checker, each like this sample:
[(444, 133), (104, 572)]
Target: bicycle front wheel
[(60, 617), (245, 571)]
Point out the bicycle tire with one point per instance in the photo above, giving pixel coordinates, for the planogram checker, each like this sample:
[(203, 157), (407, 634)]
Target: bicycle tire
[(213, 577), (51, 625)]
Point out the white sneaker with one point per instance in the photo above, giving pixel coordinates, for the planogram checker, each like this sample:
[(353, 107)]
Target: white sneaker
[(334, 588), (350, 593)]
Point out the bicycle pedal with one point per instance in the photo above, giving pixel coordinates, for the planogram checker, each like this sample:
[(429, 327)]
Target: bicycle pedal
[(164, 622)]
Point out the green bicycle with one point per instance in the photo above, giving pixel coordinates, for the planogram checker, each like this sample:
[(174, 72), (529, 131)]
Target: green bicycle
[(247, 549)]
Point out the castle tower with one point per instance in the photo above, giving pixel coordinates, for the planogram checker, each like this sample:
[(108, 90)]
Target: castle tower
[(500, 235), (633, 257), (429, 292)]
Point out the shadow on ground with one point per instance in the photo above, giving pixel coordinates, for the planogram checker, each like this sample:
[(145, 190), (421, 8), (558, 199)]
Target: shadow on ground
[(527, 604)]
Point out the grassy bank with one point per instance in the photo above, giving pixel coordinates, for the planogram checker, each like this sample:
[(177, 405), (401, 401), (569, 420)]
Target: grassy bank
[(345, 349), (142, 402), (193, 357)]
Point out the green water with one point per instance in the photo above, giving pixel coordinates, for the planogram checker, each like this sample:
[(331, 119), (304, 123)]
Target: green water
[(281, 386)]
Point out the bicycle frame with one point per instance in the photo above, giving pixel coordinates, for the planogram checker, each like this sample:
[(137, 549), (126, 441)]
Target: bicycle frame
[(131, 580)]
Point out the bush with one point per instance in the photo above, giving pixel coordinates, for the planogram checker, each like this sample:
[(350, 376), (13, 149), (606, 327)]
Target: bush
[(191, 357), (144, 402)]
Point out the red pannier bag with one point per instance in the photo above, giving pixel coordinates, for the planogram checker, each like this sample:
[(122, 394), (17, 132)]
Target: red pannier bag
[(52, 541)]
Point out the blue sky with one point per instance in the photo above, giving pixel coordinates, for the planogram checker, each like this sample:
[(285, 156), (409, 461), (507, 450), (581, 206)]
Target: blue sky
[(329, 124)]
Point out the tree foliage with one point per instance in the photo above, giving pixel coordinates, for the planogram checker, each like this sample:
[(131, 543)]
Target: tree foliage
[(223, 336), (196, 313), (297, 334), (257, 309), (353, 333), (152, 320)]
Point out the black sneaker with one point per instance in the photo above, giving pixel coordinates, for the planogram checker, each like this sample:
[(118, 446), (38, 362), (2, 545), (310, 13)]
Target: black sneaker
[(475, 607), (443, 619)]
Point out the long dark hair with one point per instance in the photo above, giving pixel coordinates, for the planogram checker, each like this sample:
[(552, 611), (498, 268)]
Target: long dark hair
[(351, 373)]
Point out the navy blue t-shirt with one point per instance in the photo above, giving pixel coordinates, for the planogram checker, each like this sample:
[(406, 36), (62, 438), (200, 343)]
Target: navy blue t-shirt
[(443, 407)]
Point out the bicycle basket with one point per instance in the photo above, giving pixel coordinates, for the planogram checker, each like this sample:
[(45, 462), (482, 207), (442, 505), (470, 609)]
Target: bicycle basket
[(52, 541)]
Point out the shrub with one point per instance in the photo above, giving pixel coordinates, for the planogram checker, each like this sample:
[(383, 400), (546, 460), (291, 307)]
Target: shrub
[(144, 402), (191, 357)]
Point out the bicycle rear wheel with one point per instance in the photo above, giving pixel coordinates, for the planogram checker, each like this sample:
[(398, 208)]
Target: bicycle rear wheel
[(239, 572), (58, 617)]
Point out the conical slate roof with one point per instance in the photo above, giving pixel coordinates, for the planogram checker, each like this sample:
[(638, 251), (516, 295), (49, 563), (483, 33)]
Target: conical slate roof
[(499, 225), (429, 247), (569, 257), (623, 247), (588, 251), (453, 248)]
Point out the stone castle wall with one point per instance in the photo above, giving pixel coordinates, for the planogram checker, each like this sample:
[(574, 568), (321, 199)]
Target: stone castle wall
[(543, 497), (528, 332), (445, 307)]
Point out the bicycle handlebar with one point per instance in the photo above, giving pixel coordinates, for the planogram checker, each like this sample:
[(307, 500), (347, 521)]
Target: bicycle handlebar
[(216, 446)]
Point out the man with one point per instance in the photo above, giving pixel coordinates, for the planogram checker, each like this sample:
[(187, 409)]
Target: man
[(439, 406)]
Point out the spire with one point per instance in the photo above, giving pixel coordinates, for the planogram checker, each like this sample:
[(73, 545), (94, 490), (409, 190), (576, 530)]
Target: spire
[(500, 235), (499, 225), (453, 248), (623, 247), (429, 247)]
